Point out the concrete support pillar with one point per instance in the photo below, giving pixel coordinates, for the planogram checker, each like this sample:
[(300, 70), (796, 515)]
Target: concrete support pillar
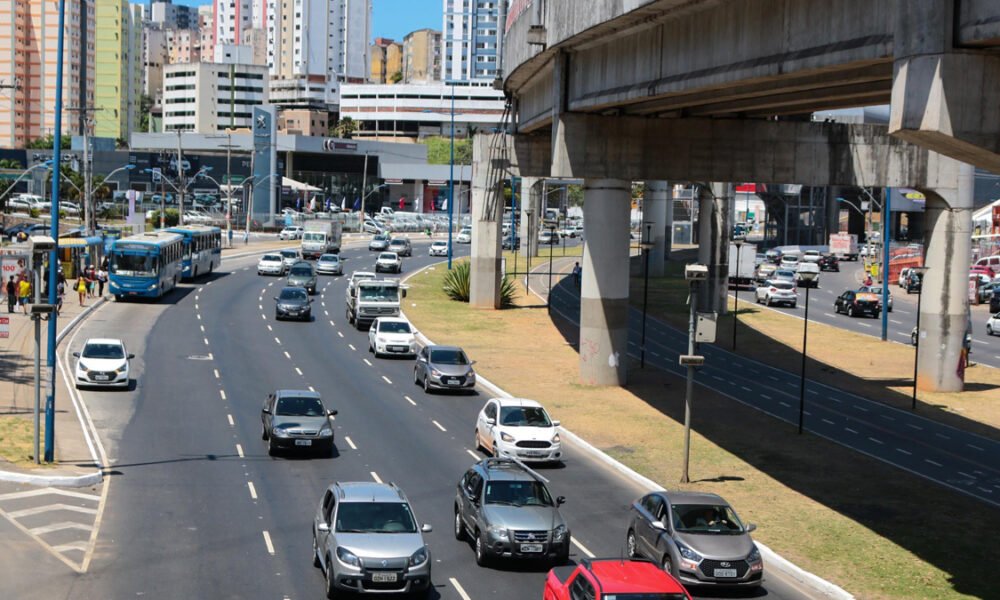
[(713, 245), (487, 211), (944, 305), (605, 282), (655, 212), (833, 209), (668, 220), (530, 205)]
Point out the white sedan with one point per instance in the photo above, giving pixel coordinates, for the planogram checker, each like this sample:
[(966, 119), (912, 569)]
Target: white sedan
[(438, 248), (290, 233), (388, 262), (102, 362), (464, 236), (392, 336), (518, 428), (993, 324), (271, 264)]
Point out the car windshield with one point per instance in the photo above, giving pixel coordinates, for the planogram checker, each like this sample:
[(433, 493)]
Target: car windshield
[(329, 258), (449, 357), (397, 243), (270, 258), (524, 416), (313, 237), (517, 493), (292, 294), (387, 256), (299, 407), (784, 273), (380, 238), (393, 327), (103, 351), (302, 271), (380, 293), (375, 517), (289, 254), (706, 518)]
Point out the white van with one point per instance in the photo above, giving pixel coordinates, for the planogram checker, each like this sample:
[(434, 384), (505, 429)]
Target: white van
[(990, 262)]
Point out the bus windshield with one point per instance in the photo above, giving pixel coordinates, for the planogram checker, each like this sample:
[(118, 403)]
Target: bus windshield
[(134, 265)]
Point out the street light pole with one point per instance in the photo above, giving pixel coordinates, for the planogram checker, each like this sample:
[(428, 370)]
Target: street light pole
[(548, 295), (451, 177), (920, 271), (807, 279), (689, 384), (647, 245), (736, 285)]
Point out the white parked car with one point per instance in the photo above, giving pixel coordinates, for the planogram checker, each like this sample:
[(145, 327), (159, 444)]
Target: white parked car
[(811, 256), (777, 292), (518, 428), (69, 208), (102, 362), (438, 248), (18, 205), (464, 236), (393, 336), (290, 233), (546, 236), (388, 262), (192, 216), (993, 324), (271, 264)]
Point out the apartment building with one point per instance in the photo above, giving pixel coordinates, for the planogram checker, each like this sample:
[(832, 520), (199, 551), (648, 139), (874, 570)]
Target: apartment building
[(422, 56), (472, 38), (210, 97), (118, 62), (386, 62)]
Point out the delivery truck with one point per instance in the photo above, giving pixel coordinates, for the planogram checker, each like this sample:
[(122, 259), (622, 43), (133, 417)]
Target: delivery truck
[(844, 246), (742, 264), (319, 237)]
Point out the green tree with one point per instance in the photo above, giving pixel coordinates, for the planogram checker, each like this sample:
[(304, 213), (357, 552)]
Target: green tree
[(575, 194), (345, 128), (47, 142), (11, 168), (396, 77), (66, 191), (145, 108), (439, 150)]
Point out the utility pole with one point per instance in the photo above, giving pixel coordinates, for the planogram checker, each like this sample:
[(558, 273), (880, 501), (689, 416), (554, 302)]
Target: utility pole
[(180, 182), (85, 123), (364, 182)]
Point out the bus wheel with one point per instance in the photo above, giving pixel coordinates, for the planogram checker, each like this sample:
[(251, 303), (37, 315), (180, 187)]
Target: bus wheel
[(195, 272), (118, 297)]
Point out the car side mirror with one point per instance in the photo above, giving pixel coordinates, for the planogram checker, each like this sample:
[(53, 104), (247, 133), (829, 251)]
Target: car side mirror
[(76, 354), (560, 500), (472, 363), (426, 528), (265, 411), (421, 359), (556, 423), (323, 527), (404, 293), (331, 413), (658, 525), (751, 527), (275, 298), (491, 421), (131, 356)]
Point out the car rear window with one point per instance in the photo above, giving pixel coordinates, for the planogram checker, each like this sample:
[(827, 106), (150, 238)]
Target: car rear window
[(782, 285), (292, 294), (270, 257), (302, 271), (289, 253)]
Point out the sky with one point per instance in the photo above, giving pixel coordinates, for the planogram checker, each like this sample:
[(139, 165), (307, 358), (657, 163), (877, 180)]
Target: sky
[(390, 18)]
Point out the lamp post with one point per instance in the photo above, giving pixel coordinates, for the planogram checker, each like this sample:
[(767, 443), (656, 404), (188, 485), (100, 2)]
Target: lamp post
[(693, 274), (647, 245), (807, 280), (738, 242), (920, 272), (451, 175), (41, 165), (548, 295), (527, 269)]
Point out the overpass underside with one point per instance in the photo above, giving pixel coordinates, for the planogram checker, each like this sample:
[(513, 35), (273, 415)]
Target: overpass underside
[(717, 92)]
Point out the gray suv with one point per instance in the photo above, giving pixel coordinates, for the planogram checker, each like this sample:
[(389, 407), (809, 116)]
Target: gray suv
[(366, 540), (302, 275), (507, 511), (696, 537)]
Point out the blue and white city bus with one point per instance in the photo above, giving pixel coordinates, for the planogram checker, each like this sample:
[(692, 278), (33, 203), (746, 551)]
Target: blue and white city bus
[(147, 265), (202, 249)]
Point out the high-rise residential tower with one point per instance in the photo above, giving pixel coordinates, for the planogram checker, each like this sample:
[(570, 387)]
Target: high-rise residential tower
[(471, 37), (422, 56), (118, 63)]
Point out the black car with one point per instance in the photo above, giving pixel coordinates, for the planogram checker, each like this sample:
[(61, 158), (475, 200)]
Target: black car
[(828, 262), (913, 283), (511, 242), (995, 299), (293, 303), (858, 303)]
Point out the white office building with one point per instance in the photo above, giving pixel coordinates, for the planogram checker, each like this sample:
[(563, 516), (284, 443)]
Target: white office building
[(211, 97)]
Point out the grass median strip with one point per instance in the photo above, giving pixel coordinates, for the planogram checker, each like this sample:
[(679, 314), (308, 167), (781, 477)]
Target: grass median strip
[(17, 441), (873, 529)]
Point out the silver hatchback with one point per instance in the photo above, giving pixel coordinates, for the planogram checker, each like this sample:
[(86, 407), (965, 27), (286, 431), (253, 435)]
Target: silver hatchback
[(366, 540)]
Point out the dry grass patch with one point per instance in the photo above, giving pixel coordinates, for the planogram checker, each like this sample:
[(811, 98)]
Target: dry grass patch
[(17, 441), (873, 529)]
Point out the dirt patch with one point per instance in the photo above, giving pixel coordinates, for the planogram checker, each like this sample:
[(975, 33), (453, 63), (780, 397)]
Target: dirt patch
[(871, 528)]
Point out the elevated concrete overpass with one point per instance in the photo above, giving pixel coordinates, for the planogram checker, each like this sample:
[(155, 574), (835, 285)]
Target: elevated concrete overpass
[(716, 91)]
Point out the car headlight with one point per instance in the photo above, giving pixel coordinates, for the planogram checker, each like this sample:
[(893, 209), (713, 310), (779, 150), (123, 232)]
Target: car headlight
[(498, 532), (122, 369), (559, 534), (435, 373), (556, 439), (347, 557), (326, 431), (688, 553), (754, 555), (419, 557), (380, 340), (153, 286), (279, 432), (506, 437), (82, 366)]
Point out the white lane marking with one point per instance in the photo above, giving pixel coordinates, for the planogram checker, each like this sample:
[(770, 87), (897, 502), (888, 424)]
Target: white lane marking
[(980, 342), (267, 541), (814, 392), (936, 464), (367, 362), (277, 341), (206, 341), (263, 317), (850, 430), (387, 380), (785, 404), (974, 447), (351, 346), (834, 399), (331, 324), (895, 321), (458, 588), (230, 419), (765, 396), (828, 421), (199, 317), (439, 426), (253, 490), (829, 315), (298, 370), (772, 377), (861, 408), (375, 477), (581, 547), (340, 334), (963, 474), (865, 325), (745, 388), (887, 417), (350, 442), (239, 450), (326, 313), (202, 328), (322, 303), (473, 454), (260, 298), (312, 389), (410, 400), (268, 327), (223, 394), (942, 436), (216, 371), (270, 284), (287, 355), (37, 510), (260, 307), (200, 289), (906, 452), (716, 377), (196, 306)]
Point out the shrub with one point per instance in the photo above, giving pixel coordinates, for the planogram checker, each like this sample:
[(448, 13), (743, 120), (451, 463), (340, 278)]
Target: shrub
[(507, 292), (458, 282), (172, 218)]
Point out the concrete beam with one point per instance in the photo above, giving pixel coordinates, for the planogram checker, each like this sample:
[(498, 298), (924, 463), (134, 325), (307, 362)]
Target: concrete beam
[(487, 212)]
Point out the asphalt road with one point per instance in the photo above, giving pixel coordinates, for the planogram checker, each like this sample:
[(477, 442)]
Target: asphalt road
[(948, 456), (901, 320), (197, 508)]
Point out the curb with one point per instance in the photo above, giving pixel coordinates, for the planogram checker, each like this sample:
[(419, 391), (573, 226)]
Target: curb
[(825, 588), (87, 480)]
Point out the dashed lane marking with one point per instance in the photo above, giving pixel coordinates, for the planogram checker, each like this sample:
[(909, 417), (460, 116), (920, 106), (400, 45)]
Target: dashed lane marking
[(331, 324), (850, 430), (298, 370), (974, 447), (350, 442), (267, 542), (785, 404), (287, 355), (387, 380), (367, 362), (410, 400), (312, 389), (206, 341), (828, 421), (239, 451), (223, 394), (340, 334), (877, 441), (936, 464), (216, 371), (765, 396), (202, 328), (253, 490), (376, 477), (199, 317), (581, 547), (473, 454), (263, 317), (277, 341), (906, 452), (439, 426), (351, 346), (230, 419), (458, 588)]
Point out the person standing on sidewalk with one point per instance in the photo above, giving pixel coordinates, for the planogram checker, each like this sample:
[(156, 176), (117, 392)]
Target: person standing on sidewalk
[(81, 289), (102, 278), (11, 290), (24, 294)]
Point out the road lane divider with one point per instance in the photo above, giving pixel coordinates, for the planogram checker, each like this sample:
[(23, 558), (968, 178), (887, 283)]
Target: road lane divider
[(581, 547), (387, 380), (439, 426), (298, 370), (458, 588), (239, 451), (216, 371), (230, 419), (376, 477), (367, 362), (350, 442), (253, 490), (474, 456), (267, 542), (410, 400), (222, 393)]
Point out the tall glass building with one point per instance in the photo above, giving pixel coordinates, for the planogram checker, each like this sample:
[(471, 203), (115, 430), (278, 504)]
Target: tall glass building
[(471, 35)]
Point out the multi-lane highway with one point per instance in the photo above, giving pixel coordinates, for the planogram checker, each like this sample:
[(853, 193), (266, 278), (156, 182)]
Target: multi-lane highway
[(196, 507)]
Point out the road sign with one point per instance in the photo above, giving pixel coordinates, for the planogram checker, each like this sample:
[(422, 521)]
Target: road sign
[(4, 327), (157, 174), (691, 360)]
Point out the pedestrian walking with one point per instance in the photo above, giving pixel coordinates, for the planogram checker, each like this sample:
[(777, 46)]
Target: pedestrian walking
[(24, 294), (60, 292), (91, 277), (81, 289), (11, 290), (577, 275), (102, 278)]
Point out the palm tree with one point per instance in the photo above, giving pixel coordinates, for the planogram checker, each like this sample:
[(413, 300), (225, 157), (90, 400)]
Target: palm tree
[(346, 127)]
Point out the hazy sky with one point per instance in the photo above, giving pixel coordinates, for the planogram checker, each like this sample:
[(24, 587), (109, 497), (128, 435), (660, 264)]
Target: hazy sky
[(390, 18)]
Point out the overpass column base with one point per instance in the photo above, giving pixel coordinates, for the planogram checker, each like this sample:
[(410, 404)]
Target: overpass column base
[(944, 306), (605, 283), (487, 212), (655, 211)]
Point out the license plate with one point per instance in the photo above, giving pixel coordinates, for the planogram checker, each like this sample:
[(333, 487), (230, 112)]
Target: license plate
[(534, 454), (383, 577), (452, 381), (101, 378), (531, 548), (725, 572), (303, 442)]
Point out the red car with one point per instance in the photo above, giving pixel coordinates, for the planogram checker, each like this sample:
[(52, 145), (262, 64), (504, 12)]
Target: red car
[(603, 578)]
